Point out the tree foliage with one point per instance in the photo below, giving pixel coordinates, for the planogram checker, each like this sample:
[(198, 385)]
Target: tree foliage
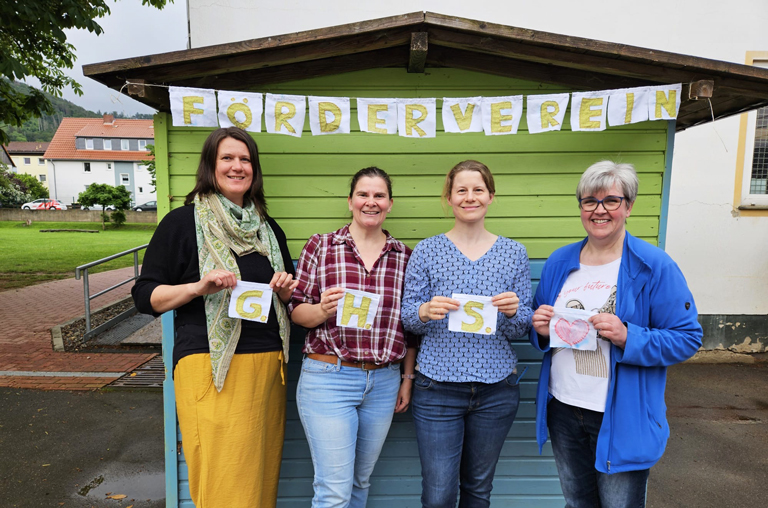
[(13, 192), (32, 186), (33, 44), (150, 165), (104, 195)]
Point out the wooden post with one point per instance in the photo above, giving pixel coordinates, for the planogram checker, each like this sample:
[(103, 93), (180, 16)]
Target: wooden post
[(418, 55)]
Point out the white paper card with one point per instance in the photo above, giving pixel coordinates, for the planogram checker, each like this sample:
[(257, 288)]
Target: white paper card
[(462, 114), (628, 105), (546, 112), (240, 109), (251, 301), (664, 101), (476, 314), (416, 118), (193, 107), (328, 115), (570, 328), (501, 115), (357, 309), (284, 114), (377, 115), (588, 111)]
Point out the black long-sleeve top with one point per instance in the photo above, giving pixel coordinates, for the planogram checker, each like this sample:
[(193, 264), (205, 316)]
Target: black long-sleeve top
[(171, 258)]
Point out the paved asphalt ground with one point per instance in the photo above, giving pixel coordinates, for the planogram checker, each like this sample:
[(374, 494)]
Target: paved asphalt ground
[(70, 449)]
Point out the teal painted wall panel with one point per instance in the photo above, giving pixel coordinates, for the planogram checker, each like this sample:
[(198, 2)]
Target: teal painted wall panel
[(306, 183)]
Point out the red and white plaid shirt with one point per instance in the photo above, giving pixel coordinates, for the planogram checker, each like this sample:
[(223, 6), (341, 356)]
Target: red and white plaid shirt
[(332, 260)]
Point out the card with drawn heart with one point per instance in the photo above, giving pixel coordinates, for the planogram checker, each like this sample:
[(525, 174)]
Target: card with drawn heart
[(570, 328)]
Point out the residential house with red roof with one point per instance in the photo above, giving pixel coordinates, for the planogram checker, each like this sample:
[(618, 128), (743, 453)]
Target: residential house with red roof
[(29, 157), (85, 151)]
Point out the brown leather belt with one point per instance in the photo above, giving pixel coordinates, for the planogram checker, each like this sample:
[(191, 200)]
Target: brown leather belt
[(358, 365)]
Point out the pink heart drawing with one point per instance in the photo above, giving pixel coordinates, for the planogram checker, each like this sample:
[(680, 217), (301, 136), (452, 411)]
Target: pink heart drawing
[(571, 333)]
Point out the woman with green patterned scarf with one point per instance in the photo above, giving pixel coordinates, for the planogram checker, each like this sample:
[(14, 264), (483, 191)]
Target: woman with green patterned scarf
[(229, 373)]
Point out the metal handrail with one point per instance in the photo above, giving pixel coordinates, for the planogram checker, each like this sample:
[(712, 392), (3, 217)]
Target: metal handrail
[(86, 287)]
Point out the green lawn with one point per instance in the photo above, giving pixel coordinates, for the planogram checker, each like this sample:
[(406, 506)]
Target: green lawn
[(29, 256)]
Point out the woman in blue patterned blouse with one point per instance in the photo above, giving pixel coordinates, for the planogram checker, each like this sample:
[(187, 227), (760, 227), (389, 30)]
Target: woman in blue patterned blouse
[(466, 389)]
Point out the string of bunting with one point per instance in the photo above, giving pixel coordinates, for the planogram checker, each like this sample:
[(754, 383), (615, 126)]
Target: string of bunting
[(417, 118)]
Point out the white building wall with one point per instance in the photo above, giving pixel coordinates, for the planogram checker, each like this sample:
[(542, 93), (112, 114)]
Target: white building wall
[(68, 179), (722, 251)]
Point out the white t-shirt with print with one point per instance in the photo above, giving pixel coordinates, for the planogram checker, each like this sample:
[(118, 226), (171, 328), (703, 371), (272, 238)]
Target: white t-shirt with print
[(581, 378)]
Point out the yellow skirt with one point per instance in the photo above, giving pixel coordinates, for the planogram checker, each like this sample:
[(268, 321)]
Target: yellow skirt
[(233, 439)]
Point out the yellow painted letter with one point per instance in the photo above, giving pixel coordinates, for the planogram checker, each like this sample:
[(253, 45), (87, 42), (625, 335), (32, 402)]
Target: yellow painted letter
[(670, 104), (282, 118), (586, 113), (255, 308), (411, 123), (329, 107), (478, 324), (547, 116), (497, 117), (239, 106), (373, 118), (349, 310), (190, 109), (630, 107), (463, 120)]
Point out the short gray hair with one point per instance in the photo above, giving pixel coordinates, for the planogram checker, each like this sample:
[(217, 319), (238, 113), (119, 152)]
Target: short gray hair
[(601, 176)]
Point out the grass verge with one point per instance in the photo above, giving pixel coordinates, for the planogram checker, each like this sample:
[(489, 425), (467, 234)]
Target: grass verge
[(29, 256)]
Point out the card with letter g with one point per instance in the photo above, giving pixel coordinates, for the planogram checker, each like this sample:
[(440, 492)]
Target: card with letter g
[(250, 301), (357, 309), (476, 314)]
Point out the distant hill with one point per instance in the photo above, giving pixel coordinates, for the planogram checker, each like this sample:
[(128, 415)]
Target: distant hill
[(43, 129)]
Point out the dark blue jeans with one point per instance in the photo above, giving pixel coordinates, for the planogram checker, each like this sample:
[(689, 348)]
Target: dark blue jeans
[(573, 431), (460, 429)]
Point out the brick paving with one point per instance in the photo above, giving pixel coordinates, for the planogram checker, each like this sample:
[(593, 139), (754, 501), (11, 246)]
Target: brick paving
[(26, 318)]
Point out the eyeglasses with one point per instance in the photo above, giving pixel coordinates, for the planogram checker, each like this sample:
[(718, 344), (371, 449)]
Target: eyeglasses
[(610, 203)]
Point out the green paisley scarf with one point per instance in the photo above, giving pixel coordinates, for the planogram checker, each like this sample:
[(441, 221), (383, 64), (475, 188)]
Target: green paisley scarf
[(222, 227)]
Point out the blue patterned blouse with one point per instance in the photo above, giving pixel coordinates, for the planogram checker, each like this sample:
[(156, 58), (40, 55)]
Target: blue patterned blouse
[(437, 267)]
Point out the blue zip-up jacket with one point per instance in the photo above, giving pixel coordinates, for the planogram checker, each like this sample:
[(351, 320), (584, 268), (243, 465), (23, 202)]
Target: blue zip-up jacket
[(653, 301)]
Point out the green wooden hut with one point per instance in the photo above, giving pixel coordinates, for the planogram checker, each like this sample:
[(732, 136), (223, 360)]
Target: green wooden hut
[(429, 55)]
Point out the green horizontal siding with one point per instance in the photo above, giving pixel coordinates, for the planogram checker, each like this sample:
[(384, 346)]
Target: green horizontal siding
[(306, 182)]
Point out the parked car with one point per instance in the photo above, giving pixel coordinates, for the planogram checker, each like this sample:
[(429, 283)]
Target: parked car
[(98, 208), (149, 206), (44, 204)]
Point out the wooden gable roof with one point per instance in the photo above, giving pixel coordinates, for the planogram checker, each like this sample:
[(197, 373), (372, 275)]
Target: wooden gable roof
[(421, 40)]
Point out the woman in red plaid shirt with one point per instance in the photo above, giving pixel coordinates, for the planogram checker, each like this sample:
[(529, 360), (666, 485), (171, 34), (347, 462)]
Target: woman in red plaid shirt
[(349, 296)]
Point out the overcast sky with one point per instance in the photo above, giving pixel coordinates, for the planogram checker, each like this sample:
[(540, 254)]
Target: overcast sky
[(130, 30)]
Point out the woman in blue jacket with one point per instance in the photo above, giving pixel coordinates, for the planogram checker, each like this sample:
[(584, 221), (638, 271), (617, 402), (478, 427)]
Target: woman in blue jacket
[(605, 408)]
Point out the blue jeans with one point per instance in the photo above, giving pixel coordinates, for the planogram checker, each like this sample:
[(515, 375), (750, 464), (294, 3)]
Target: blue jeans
[(346, 413), (573, 431), (460, 430)]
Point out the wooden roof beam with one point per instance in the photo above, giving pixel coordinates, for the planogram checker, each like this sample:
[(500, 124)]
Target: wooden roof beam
[(418, 56)]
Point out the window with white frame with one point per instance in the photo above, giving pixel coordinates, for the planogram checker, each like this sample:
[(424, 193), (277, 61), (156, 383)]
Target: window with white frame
[(754, 188), (89, 144), (86, 167), (141, 189), (125, 179), (107, 144), (42, 178), (142, 144), (125, 144), (27, 161), (40, 161), (109, 165)]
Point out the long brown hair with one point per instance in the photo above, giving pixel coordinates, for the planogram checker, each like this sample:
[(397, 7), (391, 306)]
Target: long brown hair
[(205, 185)]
